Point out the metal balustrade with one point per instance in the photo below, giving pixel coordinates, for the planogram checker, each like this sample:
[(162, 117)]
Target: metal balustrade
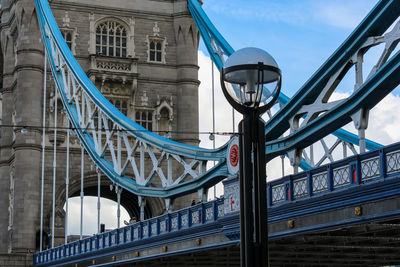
[(187, 218), (352, 171), (355, 171), (91, 115)]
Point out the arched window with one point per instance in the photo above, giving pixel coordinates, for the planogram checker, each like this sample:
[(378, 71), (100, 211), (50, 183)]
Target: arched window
[(164, 121), (111, 39)]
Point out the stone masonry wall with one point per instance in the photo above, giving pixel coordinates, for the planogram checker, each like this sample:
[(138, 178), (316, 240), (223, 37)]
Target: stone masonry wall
[(145, 85)]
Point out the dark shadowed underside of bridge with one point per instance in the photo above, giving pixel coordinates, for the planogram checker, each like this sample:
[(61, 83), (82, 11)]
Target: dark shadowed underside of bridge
[(375, 244)]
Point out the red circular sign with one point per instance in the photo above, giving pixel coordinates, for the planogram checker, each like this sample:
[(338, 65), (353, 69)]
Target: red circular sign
[(234, 155)]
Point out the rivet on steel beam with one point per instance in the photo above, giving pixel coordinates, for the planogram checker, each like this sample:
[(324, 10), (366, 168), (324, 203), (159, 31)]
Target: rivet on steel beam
[(358, 211), (290, 224), (198, 241)]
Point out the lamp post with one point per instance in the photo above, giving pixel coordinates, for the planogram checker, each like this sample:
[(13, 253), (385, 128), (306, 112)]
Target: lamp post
[(244, 78)]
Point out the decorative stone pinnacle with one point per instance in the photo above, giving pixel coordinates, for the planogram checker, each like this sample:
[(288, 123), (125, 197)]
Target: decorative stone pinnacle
[(156, 29)]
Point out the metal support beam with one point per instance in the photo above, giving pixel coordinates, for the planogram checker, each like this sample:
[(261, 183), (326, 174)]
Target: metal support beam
[(253, 215)]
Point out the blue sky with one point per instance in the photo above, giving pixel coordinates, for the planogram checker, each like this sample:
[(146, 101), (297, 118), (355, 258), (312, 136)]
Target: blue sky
[(300, 35)]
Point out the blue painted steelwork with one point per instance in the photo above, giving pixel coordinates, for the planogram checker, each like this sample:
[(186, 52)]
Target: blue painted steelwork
[(211, 35), (347, 174), (183, 223), (375, 24), (214, 40), (367, 96), (60, 57), (359, 184)]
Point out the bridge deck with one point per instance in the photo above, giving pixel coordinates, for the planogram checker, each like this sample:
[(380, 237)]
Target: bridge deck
[(346, 212)]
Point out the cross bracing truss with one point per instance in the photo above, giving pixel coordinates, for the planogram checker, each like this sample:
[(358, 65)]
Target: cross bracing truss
[(311, 113), (368, 34), (118, 145)]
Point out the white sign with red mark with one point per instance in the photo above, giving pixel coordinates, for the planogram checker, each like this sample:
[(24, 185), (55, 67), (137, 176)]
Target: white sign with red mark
[(231, 198), (232, 156)]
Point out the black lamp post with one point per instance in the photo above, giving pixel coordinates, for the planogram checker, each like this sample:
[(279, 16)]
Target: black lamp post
[(244, 78)]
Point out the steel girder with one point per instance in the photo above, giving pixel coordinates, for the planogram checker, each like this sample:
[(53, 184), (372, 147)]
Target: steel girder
[(115, 142), (91, 114), (374, 24)]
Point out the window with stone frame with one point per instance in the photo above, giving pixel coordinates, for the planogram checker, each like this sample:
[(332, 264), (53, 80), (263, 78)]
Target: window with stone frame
[(156, 51), (121, 104), (111, 39), (69, 37), (145, 119), (156, 47), (163, 123)]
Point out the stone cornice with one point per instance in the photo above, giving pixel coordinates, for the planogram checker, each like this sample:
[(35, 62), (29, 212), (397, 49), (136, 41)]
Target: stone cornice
[(23, 67), (168, 81), (9, 89), (37, 147), (7, 162), (192, 66), (98, 9), (189, 81), (30, 50)]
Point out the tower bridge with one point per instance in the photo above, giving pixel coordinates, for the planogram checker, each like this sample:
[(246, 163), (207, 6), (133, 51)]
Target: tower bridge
[(98, 94)]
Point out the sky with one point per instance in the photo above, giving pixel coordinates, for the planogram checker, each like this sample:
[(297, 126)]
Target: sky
[(300, 35)]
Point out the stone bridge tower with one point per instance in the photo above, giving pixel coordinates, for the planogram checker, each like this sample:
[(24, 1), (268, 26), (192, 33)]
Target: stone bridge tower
[(141, 54)]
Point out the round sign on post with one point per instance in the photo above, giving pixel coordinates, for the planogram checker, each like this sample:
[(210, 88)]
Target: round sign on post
[(232, 156)]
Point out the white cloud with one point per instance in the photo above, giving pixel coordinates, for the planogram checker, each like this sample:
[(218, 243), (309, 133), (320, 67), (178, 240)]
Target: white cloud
[(108, 215), (384, 122), (223, 110), (342, 13)]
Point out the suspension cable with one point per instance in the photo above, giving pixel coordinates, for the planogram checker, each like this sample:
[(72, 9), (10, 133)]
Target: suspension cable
[(67, 188), (43, 147), (54, 166), (98, 199), (82, 174), (213, 115)]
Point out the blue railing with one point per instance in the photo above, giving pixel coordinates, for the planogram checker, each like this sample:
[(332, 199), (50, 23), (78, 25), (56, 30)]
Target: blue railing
[(191, 217), (352, 171)]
